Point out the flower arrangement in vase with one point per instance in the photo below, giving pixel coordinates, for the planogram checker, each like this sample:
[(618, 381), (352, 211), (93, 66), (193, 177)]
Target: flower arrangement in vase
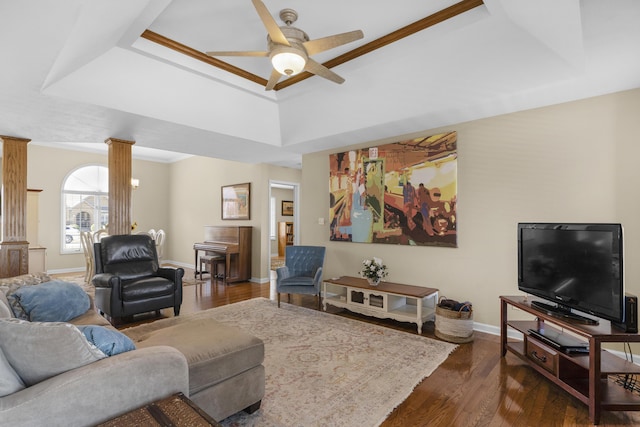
[(373, 270)]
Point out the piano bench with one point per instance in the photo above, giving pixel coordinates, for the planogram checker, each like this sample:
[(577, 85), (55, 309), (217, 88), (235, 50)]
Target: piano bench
[(212, 260)]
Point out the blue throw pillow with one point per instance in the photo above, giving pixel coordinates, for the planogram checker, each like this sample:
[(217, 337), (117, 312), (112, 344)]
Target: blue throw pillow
[(54, 301), (110, 342)]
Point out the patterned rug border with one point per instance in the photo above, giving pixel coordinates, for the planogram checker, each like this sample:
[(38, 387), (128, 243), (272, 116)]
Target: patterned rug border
[(392, 394)]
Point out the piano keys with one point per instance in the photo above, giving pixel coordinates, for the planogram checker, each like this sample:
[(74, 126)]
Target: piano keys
[(234, 243)]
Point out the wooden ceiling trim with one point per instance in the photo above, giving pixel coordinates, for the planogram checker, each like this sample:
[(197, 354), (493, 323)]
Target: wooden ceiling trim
[(196, 54), (422, 24)]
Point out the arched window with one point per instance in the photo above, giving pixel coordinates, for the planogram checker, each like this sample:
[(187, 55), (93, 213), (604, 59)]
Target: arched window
[(85, 204)]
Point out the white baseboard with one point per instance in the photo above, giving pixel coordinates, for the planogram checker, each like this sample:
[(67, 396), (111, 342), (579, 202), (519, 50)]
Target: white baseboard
[(185, 265), (179, 264), (495, 330), (66, 270)]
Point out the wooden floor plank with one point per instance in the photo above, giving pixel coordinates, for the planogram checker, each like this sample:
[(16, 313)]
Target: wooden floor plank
[(473, 387)]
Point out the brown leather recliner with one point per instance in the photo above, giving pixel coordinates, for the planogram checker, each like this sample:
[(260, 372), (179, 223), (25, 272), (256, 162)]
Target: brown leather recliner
[(128, 279)]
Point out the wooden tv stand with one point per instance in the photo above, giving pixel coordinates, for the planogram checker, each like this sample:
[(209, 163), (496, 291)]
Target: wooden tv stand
[(584, 376)]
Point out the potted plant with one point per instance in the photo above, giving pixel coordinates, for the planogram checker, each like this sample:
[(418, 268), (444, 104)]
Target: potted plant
[(373, 270)]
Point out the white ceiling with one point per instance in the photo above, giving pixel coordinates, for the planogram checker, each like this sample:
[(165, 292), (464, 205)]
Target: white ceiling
[(77, 72)]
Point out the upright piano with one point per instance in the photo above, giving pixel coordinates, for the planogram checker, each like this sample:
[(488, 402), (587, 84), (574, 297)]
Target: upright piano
[(234, 243)]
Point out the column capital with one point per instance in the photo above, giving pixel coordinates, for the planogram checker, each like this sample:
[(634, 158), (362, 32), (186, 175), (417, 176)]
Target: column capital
[(110, 141), (5, 138)]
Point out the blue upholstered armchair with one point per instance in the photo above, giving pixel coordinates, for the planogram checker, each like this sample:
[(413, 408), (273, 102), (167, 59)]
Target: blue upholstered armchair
[(302, 273)]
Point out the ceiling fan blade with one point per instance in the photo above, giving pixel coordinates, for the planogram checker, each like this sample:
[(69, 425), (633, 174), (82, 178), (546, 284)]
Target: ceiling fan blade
[(273, 79), (239, 53), (326, 43), (322, 71), (270, 24)]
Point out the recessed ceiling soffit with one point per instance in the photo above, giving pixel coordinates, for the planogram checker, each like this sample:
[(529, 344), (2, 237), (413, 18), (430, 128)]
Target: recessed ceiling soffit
[(417, 26)]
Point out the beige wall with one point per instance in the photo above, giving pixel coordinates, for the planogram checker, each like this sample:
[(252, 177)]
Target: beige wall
[(569, 162), (195, 192), (47, 170), (180, 198), (574, 162)]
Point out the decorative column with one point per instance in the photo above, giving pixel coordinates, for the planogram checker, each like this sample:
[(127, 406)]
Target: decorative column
[(14, 248), (119, 186)]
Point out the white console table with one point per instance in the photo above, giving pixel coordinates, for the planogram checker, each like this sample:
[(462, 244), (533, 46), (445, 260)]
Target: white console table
[(405, 303)]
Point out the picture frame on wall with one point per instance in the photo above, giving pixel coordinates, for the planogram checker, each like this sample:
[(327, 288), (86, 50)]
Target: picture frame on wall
[(400, 193), (236, 201), (287, 208)]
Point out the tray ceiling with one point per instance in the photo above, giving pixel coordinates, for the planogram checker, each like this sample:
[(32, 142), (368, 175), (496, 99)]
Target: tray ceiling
[(81, 72)]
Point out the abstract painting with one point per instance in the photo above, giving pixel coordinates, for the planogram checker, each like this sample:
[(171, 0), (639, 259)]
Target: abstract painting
[(403, 193)]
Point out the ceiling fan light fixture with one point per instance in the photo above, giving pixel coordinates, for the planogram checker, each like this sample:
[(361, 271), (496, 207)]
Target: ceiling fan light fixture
[(289, 48), (288, 63)]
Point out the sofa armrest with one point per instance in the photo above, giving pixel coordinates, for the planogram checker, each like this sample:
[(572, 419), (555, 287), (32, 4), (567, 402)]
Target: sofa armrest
[(106, 280), (99, 391), (317, 278), (282, 272), (173, 274)]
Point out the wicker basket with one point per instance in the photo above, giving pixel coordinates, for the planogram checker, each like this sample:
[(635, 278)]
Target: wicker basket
[(454, 326)]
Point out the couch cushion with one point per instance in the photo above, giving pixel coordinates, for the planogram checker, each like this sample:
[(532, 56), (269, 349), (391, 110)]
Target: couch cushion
[(297, 281), (5, 308), (54, 301), (10, 382), (9, 285), (109, 341), (91, 317), (129, 256), (146, 288), (38, 351), (214, 351)]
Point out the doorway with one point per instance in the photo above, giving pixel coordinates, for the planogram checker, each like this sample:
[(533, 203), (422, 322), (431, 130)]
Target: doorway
[(283, 220)]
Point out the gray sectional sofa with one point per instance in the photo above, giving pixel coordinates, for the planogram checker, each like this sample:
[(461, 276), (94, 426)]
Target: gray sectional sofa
[(218, 366)]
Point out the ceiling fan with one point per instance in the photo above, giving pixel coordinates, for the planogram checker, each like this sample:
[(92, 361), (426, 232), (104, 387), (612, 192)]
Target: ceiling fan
[(289, 48)]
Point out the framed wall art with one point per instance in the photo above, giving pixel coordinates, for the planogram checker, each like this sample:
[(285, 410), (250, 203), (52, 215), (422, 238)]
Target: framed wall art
[(236, 200), (403, 193), (287, 208)]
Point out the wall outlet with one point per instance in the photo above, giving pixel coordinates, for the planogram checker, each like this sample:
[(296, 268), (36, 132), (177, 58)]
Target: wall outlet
[(320, 221)]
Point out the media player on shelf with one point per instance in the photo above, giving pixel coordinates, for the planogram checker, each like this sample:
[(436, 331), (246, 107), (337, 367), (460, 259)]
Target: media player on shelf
[(559, 340)]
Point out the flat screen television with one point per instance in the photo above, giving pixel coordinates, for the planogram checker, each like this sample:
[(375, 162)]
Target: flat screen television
[(576, 266)]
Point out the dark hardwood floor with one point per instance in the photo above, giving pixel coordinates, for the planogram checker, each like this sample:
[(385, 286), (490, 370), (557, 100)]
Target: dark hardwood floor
[(473, 387)]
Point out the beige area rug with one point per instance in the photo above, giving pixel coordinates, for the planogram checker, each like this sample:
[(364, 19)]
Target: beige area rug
[(190, 281), (326, 370), (323, 369)]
